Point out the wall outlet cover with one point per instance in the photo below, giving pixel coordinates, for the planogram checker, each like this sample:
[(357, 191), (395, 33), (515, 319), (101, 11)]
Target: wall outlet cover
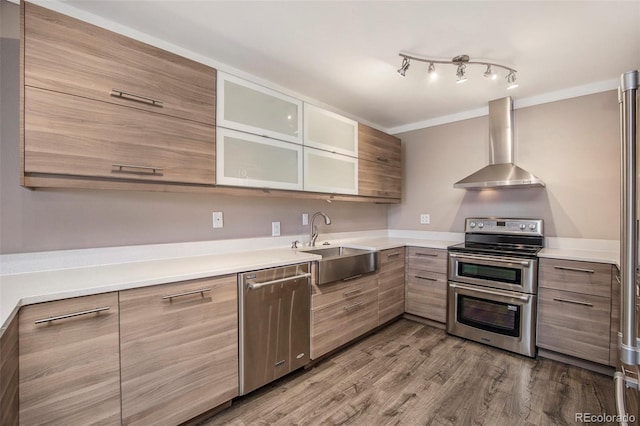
[(275, 229), (425, 219), (217, 220), (305, 219)]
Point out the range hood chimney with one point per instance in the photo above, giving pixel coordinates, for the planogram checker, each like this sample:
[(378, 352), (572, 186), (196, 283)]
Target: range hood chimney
[(501, 172)]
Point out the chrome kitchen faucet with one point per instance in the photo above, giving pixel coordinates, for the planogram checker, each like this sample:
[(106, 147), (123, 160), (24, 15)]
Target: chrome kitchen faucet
[(314, 229)]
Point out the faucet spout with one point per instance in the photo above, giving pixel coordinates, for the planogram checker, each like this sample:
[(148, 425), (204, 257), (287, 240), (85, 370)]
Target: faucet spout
[(313, 236)]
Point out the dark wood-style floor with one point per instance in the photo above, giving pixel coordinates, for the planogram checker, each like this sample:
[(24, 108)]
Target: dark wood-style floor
[(413, 374)]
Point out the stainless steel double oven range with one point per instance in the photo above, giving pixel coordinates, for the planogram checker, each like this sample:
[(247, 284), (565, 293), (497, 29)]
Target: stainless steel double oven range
[(493, 283)]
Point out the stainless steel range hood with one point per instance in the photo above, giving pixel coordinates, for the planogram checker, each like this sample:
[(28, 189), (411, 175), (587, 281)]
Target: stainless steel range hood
[(501, 172)]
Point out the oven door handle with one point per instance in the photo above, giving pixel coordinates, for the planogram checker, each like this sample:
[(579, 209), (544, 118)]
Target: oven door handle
[(500, 260), (509, 294)]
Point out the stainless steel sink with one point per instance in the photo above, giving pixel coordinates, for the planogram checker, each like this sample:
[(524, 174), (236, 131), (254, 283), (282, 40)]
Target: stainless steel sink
[(343, 263)]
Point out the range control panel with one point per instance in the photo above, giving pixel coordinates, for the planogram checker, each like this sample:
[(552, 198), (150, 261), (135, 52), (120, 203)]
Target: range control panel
[(492, 225)]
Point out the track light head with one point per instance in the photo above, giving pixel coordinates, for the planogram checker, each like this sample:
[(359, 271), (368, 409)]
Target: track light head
[(404, 67), (511, 80), (490, 74), (460, 73), (433, 75)]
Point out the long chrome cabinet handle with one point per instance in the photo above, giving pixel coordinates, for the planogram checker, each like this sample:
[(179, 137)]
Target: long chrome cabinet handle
[(510, 295), (354, 306), (383, 159), (73, 314), (427, 254), (393, 254), (254, 286), (425, 278), (505, 260), (135, 166), (202, 291), (574, 302), (352, 277), (135, 97), (568, 268), (352, 292)]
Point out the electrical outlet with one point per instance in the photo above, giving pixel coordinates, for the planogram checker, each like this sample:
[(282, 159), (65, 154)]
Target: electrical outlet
[(217, 220), (275, 229), (305, 219), (425, 219)]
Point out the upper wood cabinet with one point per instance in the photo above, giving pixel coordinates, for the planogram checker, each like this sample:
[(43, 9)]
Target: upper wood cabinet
[(329, 131), (69, 361), (256, 109), (380, 164), (179, 349), (67, 55), (75, 136)]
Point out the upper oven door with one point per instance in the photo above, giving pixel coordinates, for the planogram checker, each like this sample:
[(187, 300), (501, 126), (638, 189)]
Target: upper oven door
[(509, 273)]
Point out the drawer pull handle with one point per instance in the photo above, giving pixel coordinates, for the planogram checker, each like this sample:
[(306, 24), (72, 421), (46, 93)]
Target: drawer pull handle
[(154, 170), (574, 302), (568, 268), (383, 159), (618, 279), (351, 307), (427, 254), (73, 314), (352, 292), (187, 293), (393, 254), (425, 278), (352, 278), (134, 97)]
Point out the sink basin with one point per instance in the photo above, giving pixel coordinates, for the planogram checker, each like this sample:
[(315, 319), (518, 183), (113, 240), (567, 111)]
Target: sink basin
[(343, 263)]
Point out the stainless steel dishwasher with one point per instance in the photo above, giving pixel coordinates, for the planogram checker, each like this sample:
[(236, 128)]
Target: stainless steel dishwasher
[(274, 311)]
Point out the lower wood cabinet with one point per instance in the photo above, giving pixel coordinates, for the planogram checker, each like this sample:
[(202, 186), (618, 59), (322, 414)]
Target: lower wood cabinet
[(69, 361), (9, 407), (342, 311), (179, 346), (574, 309), (390, 284), (426, 283)]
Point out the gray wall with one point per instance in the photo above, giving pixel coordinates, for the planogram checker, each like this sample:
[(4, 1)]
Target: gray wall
[(572, 145), (64, 219)]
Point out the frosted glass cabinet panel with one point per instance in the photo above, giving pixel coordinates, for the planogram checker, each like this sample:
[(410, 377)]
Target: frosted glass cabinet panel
[(252, 108), (254, 161), (328, 172), (329, 131)]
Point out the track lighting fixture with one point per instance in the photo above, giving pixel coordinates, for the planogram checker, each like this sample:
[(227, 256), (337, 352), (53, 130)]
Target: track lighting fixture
[(404, 67), (461, 62)]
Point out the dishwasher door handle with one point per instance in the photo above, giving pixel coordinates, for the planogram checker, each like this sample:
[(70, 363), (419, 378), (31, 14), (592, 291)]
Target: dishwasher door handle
[(255, 286)]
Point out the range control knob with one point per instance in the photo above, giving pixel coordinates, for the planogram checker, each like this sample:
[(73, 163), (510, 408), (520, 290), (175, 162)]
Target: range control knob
[(522, 226), (481, 225), (532, 226), (472, 224)]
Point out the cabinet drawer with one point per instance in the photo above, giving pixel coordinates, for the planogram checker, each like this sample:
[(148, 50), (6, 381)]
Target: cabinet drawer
[(578, 277), (394, 257), (427, 259), (342, 290), (70, 367), (426, 294), (338, 323), (67, 55), (379, 180), (379, 147), (179, 349), (574, 324), (75, 136)]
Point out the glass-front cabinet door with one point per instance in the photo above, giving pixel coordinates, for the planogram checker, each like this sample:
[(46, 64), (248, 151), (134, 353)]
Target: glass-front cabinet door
[(329, 131), (256, 109), (329, 172), (243, 159)]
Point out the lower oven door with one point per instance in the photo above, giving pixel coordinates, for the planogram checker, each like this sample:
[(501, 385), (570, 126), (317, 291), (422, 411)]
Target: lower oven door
[(500, 318)]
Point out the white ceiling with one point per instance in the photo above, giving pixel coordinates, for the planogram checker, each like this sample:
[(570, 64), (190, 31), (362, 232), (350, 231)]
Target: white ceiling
[(345, 53)]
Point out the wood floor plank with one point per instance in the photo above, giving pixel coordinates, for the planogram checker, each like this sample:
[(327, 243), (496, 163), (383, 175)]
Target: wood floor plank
[(413, 374)]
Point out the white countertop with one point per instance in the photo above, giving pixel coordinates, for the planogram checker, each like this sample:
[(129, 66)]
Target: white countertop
[(40, 277)]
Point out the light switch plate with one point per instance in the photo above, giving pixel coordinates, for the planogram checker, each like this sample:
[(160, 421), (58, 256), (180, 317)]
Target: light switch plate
[(275, 229), (305, 219), (425, 219), (217, 220)]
